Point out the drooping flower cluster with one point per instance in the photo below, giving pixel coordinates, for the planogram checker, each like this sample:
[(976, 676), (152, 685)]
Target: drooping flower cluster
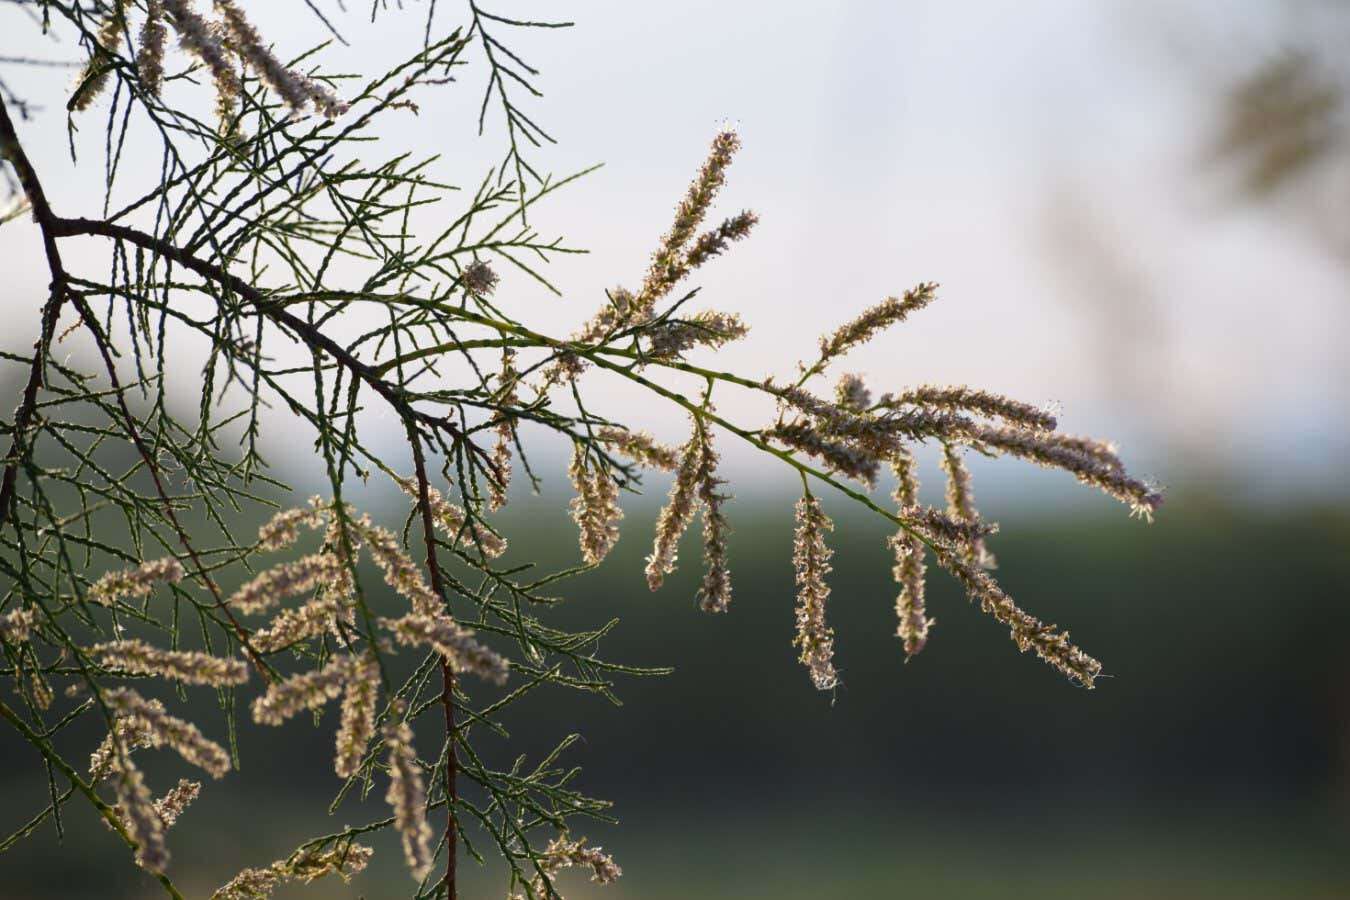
[(94, 76), (135, 582), (595, 508), (853, 437), (909, 571), (676, 515), (453, 641), (407, 796), (500, 480), (163, 730), (286, 580), (359, 699), (714, 594), (212, 43), (456, 524), (136, 810), (961, 504), (696, 487), (283, 529), (811, 557)]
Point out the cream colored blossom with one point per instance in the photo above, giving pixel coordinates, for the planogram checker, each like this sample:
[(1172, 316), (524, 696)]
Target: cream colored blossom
[(811, 557), (188, 666), (171, 805), (135, 582), (595, 509), (909, 570), (407, 796), (289, 579), (452, 641), (358, 717), (142, 821), (308, 690), (164, 730), (676, 515)]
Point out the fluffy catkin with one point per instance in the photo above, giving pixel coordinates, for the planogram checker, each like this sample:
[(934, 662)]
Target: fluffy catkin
[(164, 730), (289, 579), (960, 398), (453, 521), (838, 456), (666, 268), (640, 447), (452, 641), (406, 796), (188, 666), (94, 77), (500, 480), (478, 279), (961, 502), (298, 91), (714, 594), (909, 570), (150, 53), (595, 508), (283, 529), (1090, 462), (292, 625), (358, 717), (811, 557), (715, 242), (171, 805), (670, 264), (137, 811), (206, 42), (708, 328), (131, 733), (562, 853), (308, 690), (678, 512), (135, 582), (400, 572), (1027, 631), (886, 313), (305, 865)]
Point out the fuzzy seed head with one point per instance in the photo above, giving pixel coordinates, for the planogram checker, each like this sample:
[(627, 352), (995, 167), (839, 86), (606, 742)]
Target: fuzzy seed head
[(188, 666), (407, 796), (811, 557)]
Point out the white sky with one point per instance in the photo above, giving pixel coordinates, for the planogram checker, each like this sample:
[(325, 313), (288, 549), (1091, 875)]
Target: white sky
[(1039, 159)]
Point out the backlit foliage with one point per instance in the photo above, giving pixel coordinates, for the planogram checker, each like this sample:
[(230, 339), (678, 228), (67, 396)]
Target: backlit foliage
[(275, 233)]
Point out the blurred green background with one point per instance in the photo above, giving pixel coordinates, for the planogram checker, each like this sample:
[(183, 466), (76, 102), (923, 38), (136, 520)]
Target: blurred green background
[(1212, 763)]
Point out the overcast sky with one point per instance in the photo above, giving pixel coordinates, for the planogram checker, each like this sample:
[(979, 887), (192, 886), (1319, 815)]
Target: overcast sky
[(1042, 160)]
